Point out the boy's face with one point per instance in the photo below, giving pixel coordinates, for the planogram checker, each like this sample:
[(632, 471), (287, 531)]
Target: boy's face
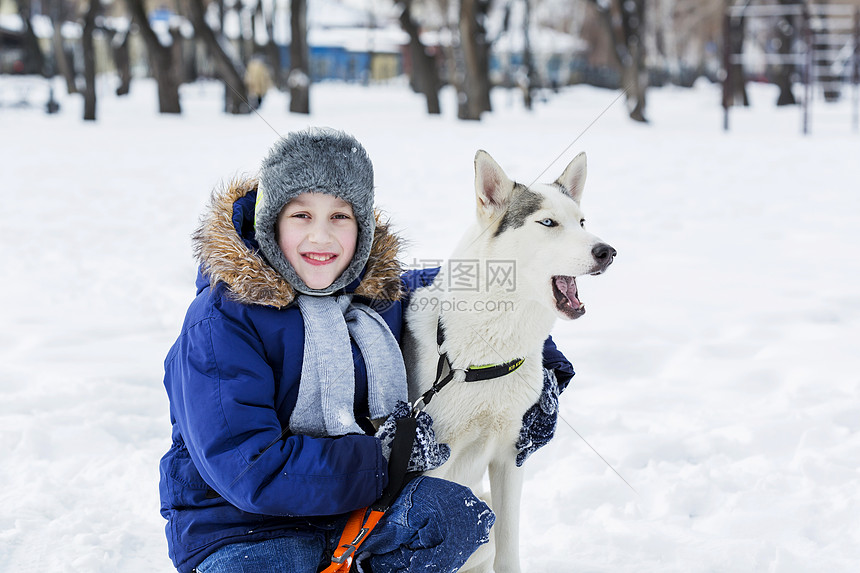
[(317, 233)]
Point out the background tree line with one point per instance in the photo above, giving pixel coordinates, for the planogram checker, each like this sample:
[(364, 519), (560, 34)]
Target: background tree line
[(642, 41)]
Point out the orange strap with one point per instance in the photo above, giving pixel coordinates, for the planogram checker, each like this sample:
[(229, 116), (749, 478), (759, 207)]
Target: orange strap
[(354, 533), (357, 527)]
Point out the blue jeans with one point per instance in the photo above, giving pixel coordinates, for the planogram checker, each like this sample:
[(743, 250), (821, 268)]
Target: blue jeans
[(433, 526)]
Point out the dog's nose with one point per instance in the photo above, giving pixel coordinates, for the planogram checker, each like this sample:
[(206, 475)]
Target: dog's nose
[(604, 255)]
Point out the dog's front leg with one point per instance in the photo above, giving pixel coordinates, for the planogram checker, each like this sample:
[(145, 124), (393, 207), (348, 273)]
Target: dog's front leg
[(506, 485)]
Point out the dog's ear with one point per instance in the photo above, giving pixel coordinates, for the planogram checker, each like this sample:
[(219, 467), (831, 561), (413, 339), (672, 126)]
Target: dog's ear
[(572, 181), (493, 188)]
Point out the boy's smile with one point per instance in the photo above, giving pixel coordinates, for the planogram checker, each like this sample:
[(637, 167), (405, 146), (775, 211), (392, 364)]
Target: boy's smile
[(317, 233), (319, 258)]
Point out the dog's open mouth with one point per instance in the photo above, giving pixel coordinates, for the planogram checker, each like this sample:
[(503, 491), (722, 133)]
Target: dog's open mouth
[(565, 293)]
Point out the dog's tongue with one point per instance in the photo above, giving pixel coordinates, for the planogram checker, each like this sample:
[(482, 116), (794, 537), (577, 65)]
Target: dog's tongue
[(567, 287)]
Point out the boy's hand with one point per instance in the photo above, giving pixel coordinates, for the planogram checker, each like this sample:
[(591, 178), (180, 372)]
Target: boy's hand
[(427, 453)]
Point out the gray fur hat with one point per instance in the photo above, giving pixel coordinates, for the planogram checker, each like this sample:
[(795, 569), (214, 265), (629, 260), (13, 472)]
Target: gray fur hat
[(318, 160)]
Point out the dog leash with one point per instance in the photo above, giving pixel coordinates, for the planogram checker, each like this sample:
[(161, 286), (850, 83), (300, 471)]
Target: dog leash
[(362, 521), (470, 374)]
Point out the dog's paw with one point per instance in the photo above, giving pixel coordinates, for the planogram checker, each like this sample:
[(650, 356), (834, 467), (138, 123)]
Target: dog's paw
[(540, 420)]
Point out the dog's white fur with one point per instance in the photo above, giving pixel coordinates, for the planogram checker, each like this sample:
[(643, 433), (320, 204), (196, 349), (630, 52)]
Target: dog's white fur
[(481, 421)]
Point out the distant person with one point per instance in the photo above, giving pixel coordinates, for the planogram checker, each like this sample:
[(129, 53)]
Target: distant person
[(257, 81)]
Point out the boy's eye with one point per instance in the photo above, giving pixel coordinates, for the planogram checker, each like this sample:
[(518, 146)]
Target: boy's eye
[(341, 216), (548, 222)]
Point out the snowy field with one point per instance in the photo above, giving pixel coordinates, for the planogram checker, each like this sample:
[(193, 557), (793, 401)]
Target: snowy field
[(717, 367)]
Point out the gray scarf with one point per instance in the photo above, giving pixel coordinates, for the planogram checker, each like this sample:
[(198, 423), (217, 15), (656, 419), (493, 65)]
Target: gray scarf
[(327, 388)]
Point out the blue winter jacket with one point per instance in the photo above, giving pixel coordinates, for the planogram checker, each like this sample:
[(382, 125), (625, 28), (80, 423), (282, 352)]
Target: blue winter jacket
[(234, 472)]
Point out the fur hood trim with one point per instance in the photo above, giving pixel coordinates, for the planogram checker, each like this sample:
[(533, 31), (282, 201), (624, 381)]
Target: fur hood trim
[(225, 257)]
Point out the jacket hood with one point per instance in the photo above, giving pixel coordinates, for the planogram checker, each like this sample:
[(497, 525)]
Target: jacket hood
[(227, 251)]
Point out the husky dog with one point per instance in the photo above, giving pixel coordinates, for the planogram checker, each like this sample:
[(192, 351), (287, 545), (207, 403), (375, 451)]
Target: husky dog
[(537, 234)]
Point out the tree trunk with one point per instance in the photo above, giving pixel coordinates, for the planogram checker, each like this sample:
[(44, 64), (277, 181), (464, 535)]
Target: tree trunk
[(424, 76), (244, 54), (273, 56), (90, 61), (176, 53), (456, 73), (122, 61), (785, 31), (736, 78), (475, 88), (236, 94), (222, 9), (257, 13), (626, 32), (273, 52), (528, 61), (34, 62), (635, 73), (164, 69), (483, 57), (299, 80), (636, 80), (62, 62)]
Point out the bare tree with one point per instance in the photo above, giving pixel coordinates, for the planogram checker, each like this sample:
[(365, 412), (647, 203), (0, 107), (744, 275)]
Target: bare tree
[(273, 52), (90, 60), (236, 94), (257, 13), (161, 60), (423, 76), (122, 60), (63, 62), (624, 21), (785, 32), (242, 40), (735, 84), (35, 60), (530, 76), (299, 80), (474, 96)]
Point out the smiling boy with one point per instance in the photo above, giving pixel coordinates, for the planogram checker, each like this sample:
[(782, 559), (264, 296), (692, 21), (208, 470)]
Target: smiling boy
[(288, 353)]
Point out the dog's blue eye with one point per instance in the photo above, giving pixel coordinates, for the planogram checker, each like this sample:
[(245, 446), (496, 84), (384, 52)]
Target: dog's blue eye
[(548, 223)]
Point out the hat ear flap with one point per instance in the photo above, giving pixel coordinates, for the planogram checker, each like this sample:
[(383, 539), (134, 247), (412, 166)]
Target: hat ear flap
[(259, 204)]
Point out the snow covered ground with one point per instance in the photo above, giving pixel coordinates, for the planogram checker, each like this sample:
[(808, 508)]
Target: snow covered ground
[(717, 365)]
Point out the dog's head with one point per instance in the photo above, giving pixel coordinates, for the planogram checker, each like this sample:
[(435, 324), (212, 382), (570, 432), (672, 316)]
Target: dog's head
[(543, 226)]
